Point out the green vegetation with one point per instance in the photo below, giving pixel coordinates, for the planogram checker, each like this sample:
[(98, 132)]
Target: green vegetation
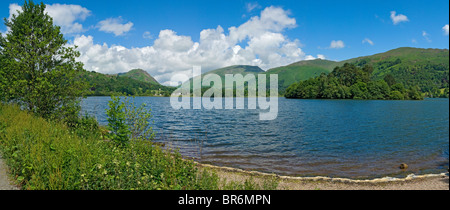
[(427, 69), (117, 122), (107, 85), (140, 75), (126, 121), (49, 155), (300, 71), (233, 70), (352, 82), (37, 69)]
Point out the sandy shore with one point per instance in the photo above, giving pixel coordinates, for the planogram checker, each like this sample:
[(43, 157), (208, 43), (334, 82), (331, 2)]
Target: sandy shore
[(412, 182)]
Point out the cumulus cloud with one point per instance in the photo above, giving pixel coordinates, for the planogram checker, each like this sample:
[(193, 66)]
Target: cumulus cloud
[(396, 19), (259, 41), (68, 17), (115, 26), (337, 44), (445, 29), (367, 40)]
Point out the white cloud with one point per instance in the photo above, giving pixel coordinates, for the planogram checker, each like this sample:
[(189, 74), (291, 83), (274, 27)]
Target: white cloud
[(319, 56), (272, 19), (414, 41), (445, 29), (367, 40), (337, 44), (396, 19), (14, 9), (64, 15), (259, 42), (67, 16), (115, 26), (147, 35), (252, 6), (426, 36)]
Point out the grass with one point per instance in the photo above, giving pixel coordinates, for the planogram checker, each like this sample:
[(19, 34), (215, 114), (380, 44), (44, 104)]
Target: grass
[(48, 155)]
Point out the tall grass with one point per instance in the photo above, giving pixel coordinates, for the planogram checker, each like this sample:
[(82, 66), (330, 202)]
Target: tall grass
[(48, 155)]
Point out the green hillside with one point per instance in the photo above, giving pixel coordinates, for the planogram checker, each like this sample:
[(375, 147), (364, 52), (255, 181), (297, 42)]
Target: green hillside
[(140, 75), (106, 85), (300, 71), (426, 68), (240, 69)]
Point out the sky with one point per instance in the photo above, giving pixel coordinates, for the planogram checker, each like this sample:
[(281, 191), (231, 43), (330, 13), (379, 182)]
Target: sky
[(169, 37)]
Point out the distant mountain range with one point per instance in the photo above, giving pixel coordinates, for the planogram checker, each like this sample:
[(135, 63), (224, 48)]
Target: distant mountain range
[(426, 68)]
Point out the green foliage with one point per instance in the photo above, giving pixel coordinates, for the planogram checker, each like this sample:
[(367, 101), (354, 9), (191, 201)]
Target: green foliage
[(138, 120), (351, 82), (117, 122), (37, 68), (126, 121), (390, 80), (107, 85), (426, 68), (396, 95)]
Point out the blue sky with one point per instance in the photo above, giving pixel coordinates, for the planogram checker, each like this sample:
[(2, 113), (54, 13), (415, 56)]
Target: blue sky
[(168, 33)]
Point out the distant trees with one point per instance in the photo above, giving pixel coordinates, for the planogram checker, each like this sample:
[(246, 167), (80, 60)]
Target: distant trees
[(37, 68), (352, 82), (107, 85)]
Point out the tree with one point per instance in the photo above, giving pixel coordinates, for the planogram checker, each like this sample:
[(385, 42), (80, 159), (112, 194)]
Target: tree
[(38, 69), (390, 80)]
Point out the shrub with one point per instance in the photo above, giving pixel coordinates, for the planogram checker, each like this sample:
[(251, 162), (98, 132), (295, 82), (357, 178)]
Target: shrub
[(117, 121)]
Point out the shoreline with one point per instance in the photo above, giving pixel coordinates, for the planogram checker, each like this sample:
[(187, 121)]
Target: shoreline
[(411, 182)]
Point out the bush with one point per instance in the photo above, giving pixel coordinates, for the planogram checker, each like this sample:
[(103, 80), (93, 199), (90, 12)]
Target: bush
[(396, 95), (117, 122)]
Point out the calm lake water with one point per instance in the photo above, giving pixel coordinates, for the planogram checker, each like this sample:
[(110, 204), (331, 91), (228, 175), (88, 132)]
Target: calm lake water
[(335, 138)]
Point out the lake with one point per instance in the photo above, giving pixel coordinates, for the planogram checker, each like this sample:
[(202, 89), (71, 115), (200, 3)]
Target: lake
[(334, 138)]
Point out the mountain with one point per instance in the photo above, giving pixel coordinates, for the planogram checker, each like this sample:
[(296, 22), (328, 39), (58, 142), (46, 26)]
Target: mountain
[(238, 69), (426, 68), (124, 84), (300, 71), (140, 75)]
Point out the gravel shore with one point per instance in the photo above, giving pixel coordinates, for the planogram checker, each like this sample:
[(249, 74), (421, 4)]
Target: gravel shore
[(412, 182), (5, 182)]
